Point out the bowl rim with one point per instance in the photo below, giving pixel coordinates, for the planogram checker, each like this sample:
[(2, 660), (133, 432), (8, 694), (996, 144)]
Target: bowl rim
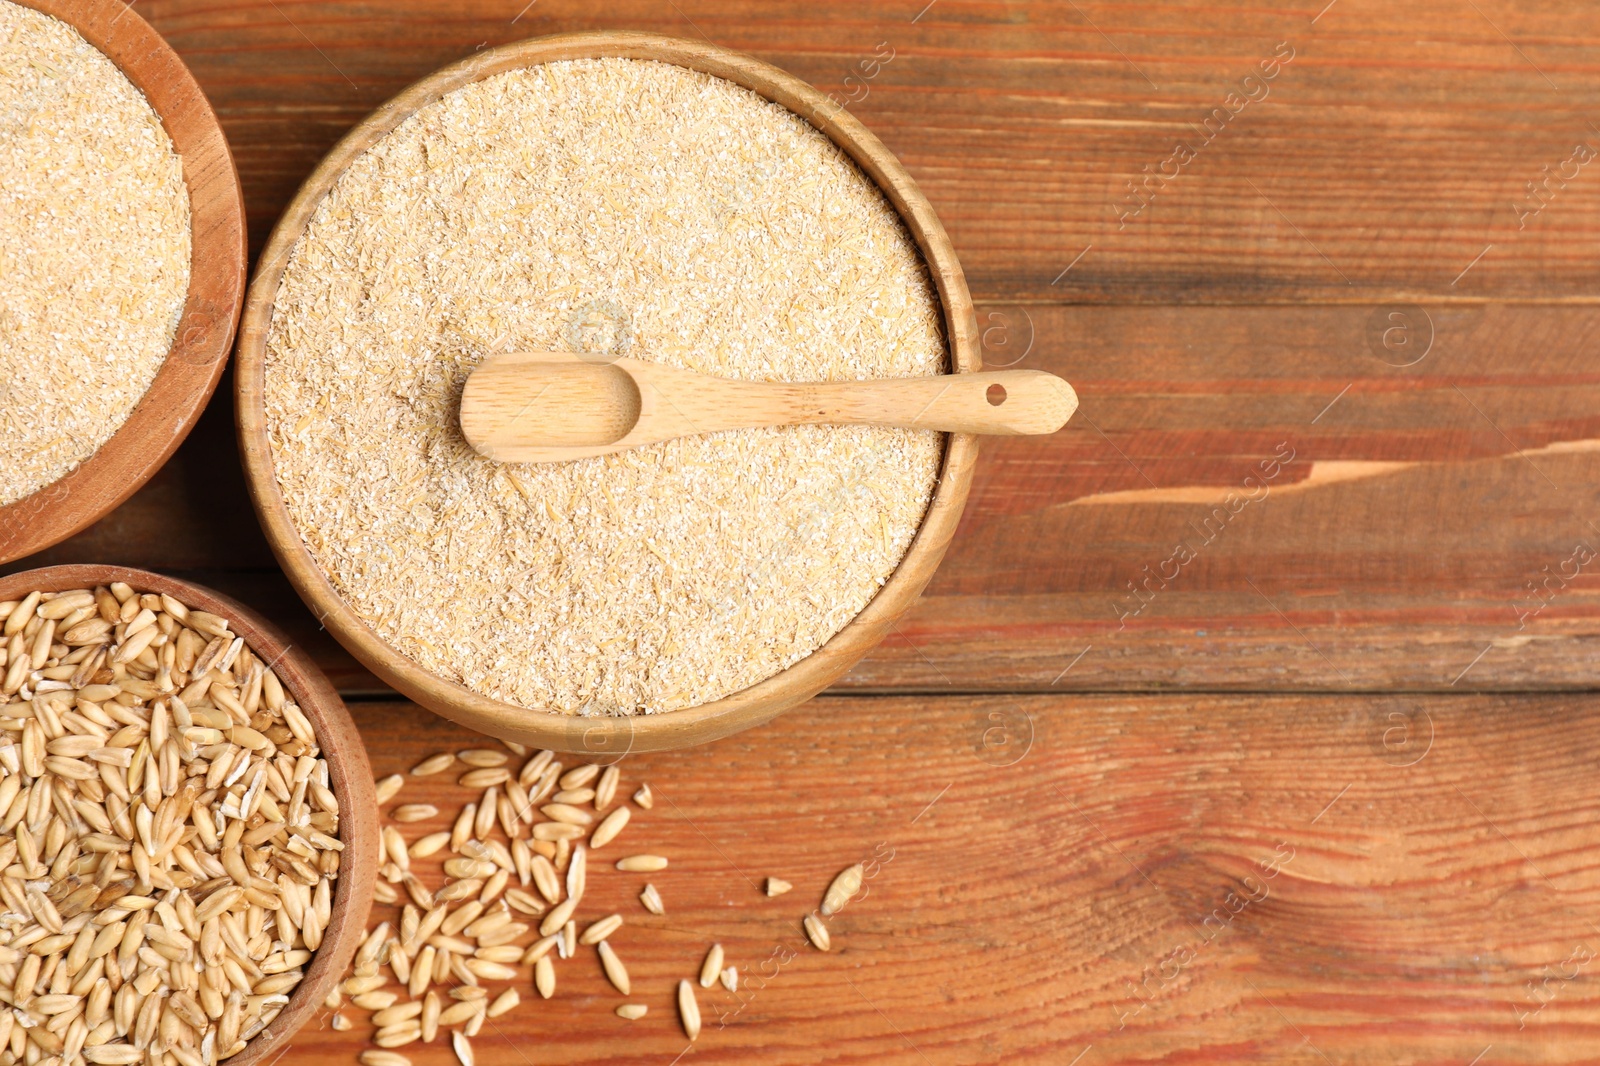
[(341, 744), (169, 408), (666, 730)]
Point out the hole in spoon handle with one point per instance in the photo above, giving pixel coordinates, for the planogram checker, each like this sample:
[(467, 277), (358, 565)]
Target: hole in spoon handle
[(996, 394)]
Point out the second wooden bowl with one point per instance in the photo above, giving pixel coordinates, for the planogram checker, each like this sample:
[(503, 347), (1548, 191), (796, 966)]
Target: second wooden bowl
[(655, 732), (199, 351), (348, 769)]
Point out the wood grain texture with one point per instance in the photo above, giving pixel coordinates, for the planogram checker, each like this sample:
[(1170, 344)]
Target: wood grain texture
[(692, 725), (1392, 151), (181, 387), (1060, 861), (349, 773), (1416, 517), (1045, 865)]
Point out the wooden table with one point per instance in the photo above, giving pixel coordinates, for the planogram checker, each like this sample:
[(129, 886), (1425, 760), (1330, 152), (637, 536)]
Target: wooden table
[(1248, 718)]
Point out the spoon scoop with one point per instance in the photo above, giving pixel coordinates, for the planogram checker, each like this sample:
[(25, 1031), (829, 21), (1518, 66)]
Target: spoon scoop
[(550, 407)]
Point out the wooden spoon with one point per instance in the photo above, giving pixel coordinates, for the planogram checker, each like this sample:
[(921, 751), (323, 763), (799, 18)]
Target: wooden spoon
[(550, 407)]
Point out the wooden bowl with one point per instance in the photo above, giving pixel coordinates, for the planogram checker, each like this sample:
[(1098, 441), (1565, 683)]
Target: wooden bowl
[(655, 732), (168, 410), (341, 745)]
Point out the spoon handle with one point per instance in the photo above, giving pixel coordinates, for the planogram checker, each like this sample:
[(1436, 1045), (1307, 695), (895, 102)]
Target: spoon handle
[(545, 407), (994, 402)]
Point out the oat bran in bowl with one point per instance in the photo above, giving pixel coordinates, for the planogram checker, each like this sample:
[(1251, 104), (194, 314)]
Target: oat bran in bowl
[(611, 193), (122, 260)]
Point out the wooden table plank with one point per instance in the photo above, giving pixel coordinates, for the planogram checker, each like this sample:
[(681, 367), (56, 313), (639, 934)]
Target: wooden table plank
[(1061, 872), (1384, 159), (1430, 514), (1398, 575), (1291, 877)]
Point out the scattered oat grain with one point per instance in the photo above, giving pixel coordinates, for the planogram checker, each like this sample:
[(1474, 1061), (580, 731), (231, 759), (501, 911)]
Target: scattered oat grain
[(651, 899), (817, 932), (600, 930), (504, 1002), (388, 788), (374, 1057), (609, 827), (843, 889), (544, 976), (605, 790), (711, 966), (688, 1009), (482, 757), (433, 764), (642, 864), (616, 973), (428, 845)]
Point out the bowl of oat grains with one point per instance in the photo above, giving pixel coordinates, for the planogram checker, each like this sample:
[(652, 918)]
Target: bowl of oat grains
[(122, 261), (611, 195), (188, 826)]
